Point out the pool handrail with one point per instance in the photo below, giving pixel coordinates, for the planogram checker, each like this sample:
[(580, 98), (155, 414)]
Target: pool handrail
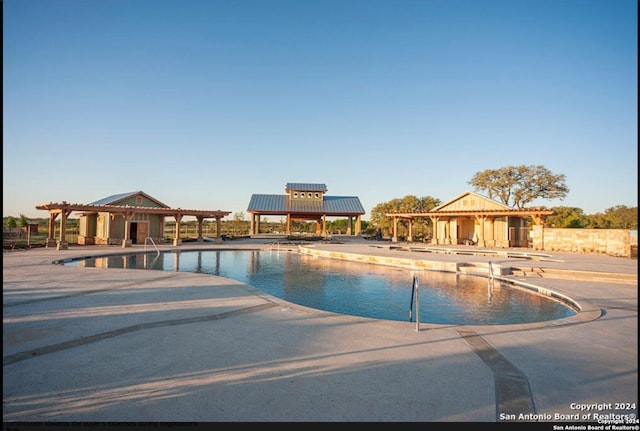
[(152, 242), (415, 290)]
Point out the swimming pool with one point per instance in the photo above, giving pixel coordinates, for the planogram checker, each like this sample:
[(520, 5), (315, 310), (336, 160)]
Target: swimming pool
[(355, 288)]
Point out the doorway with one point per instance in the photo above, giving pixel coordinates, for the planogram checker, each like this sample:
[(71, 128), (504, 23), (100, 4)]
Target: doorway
[(138, 232)]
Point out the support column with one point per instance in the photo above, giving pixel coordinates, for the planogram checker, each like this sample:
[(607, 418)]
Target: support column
[(538, 235), (410, 236), (126, 242), (491, 241), (200, 238), (395, 230), (51, 240), (62, 243), (218, 230), (453, 230), (176, 240), (358, 224), (434, 230), (481, 221)]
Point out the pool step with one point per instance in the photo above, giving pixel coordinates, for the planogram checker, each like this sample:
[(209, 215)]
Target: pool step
[(483, 268), (566, 274)]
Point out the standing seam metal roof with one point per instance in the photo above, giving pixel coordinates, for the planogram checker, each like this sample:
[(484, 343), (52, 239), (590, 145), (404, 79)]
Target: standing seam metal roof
[(338, 205), (306, 187), (114, 199)]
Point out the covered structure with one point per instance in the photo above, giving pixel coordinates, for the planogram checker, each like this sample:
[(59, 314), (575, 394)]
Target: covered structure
[(306, 202), (126, 219), (470, 218)]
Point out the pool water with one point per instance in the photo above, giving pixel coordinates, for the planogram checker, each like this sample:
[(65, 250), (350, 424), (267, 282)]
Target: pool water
[(355, 288)]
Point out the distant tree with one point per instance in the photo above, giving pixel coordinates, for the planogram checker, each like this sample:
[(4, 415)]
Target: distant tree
[(11, 222), (617, 217), (409, 203), (516, 186), (365, 226), (238, 219), (567, 217), (597, 221), (338, 225), (23, 221)]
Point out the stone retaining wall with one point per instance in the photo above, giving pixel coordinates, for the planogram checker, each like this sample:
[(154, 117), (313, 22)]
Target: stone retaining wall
[(613, 242)]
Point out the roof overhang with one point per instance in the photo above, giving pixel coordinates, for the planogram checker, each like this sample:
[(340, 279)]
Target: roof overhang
[(59, 207)]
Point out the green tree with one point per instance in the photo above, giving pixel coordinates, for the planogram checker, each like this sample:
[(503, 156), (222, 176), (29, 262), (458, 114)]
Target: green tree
[(565, 217), (238, 219), (23, 221), (409, 203), (11, 222), (338, 225), (516, 186), (617, 217)]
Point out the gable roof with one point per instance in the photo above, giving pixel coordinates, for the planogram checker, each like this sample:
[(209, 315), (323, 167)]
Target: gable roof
[(115, 199), (470, 201)]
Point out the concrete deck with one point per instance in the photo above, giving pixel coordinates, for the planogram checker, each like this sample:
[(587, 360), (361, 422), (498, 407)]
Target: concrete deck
[(105, 345)]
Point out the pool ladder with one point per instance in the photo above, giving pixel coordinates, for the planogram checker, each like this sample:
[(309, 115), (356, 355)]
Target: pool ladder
[(152, 242), (490, 284), (415, 293)]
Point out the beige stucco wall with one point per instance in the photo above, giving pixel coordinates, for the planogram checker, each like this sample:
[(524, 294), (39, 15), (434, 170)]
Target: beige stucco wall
[(613, 242)]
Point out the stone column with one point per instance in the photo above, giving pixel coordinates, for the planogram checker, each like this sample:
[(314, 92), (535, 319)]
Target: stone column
[(51, 240)]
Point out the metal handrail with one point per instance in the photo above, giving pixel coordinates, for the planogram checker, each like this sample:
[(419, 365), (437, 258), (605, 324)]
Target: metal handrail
[(152, 242), (490, 284), (415, 291)]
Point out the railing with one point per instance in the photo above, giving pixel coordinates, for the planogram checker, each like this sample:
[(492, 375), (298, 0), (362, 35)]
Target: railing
[(154, 244), (490, 284), (415, 292)]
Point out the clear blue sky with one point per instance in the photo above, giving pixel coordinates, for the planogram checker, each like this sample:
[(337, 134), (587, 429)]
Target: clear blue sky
[(201, 103)]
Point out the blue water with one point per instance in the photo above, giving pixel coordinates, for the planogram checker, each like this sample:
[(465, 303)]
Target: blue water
[(354, 288)]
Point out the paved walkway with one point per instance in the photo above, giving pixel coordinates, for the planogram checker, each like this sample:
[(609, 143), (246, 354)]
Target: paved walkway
[(102, 345)]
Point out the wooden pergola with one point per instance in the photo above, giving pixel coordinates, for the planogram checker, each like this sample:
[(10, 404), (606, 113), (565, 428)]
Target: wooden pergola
[(128, 212), (483, 217)]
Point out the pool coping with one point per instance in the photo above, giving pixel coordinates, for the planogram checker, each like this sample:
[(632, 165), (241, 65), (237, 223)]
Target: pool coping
[(585, 311)]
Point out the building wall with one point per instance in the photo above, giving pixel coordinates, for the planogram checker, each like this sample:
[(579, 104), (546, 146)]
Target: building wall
[(87, 229), (613, 242), (501, 232), (102, 229)]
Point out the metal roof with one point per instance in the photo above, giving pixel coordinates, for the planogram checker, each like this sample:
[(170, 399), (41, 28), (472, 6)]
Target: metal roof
[(282, 204), (114, 199), (306, 187), (109, 200)]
